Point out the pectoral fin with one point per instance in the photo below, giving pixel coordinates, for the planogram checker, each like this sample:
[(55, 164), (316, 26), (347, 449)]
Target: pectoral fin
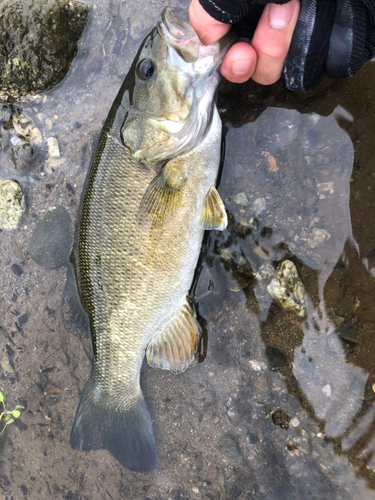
[(214, 215), (163, 194), (175, 348)]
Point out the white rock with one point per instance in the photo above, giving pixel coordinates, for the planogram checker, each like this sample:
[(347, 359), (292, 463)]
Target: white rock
[(53, 147), (259, 366), (327, 390), (294, 422), (12, 204)]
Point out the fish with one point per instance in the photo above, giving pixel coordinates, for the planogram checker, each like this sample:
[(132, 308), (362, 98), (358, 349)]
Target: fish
[(149, 196)]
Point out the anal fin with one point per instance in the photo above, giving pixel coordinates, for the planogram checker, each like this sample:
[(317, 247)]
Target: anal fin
[(213, 215), (176, 347)]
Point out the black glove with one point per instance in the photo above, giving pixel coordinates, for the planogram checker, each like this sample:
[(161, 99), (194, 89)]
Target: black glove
[(332, 37)]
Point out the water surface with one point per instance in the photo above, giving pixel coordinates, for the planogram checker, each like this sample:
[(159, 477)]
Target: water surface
[(280, 407)]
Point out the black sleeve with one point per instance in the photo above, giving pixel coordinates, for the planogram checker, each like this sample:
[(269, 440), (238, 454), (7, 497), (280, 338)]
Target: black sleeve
[(233, 11), (331, 38)]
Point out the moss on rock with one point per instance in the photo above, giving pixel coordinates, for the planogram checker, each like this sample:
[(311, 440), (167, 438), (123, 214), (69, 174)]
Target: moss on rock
[(38, 41)]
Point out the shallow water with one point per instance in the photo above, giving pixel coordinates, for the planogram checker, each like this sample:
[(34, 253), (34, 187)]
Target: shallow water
[(280, 407)]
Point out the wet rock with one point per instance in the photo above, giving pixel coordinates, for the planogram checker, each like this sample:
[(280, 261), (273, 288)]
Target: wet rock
[(265, 272), (238, 170), (50, 242), (38, 42), (225, 254), (140, 25), (5, 113), (338, 320), (53, 147), (20, 152), (54, 159), (12, 204), (259, 205), (294, 422), (347, 333), (253, 438), (254, 223), (261, 383), (25, 126), (318, 237), (241, 199), (17, 270), (228, 448), (287, 288), (4, 137), (51, 164), (5, 363), (259, 366), (327, 391)]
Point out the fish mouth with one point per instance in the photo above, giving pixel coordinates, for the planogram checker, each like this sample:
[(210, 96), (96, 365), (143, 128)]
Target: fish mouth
[(182, 37)]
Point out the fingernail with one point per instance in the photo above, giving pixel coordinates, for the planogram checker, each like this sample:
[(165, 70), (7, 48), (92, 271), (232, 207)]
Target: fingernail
[(279, 16), (242, 67)]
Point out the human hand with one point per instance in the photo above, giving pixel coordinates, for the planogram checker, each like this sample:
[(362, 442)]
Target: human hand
[(302, 39), (264, 58)]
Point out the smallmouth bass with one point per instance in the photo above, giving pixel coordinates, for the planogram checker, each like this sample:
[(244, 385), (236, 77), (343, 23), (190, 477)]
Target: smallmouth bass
[(149, 195)]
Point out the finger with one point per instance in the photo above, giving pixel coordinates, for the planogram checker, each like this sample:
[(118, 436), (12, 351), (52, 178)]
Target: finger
[(272, 39), (207, 28), (239, 63)]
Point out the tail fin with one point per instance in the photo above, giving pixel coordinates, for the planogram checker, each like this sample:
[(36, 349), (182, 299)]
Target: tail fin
[(124, 432)]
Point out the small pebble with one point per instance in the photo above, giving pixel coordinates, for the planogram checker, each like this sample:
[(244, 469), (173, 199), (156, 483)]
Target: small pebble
[(327, 390), (261, 383), (49, 123), (225, 254), (25, 126), (294, 422), (259, 205), (241, 199), (53, 147), (12, 204), (318, 237), (259, 366)]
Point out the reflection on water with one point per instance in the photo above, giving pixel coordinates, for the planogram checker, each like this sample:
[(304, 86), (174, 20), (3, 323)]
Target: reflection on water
[(333, 387), (282, 406)]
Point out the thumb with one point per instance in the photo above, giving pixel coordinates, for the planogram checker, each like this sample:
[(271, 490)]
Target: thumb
[(207, 28)]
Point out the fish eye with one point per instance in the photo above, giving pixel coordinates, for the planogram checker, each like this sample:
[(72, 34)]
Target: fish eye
[(146, 69)]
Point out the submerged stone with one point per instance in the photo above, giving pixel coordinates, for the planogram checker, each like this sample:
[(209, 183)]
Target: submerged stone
[(20, 152), (140, 24), (12, 204), (228, 447), (38, 41), (50, 242)]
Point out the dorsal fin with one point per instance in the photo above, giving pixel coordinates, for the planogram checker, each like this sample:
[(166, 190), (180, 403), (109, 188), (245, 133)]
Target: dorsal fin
[(176, 347)]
